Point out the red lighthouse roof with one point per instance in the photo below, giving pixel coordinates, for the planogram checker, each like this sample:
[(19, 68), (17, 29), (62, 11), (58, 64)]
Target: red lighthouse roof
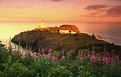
[(69, 27)]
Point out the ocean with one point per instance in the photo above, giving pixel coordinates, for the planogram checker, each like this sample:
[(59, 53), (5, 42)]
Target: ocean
[(109, 31)]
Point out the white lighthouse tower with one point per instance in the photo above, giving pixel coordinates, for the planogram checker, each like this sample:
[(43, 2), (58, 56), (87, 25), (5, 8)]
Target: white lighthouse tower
[(42, 24)]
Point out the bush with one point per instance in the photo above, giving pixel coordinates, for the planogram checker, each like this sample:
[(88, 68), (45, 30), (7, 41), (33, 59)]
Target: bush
[(86, 64)]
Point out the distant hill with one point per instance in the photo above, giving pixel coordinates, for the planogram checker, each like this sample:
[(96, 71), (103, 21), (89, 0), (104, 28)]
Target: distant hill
[(37, 39)]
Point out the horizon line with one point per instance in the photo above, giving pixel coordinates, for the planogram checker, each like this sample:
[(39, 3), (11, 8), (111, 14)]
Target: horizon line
[(66, 21)]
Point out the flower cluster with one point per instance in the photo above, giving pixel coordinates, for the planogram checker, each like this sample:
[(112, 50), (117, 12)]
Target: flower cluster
[(50, 55), (103, 57), (106, 57)]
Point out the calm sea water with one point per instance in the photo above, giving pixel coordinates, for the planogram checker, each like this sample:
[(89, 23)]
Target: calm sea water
[(110, 32)]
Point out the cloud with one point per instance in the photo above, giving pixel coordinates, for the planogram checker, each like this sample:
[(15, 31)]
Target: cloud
[(103, 10), (96, 7), (116, 0), (114, 11)]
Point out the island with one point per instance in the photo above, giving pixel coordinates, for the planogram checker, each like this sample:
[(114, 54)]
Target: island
[(65, 38)]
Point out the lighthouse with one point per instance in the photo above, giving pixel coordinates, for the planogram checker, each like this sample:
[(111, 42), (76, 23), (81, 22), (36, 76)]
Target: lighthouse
[(42, 24)]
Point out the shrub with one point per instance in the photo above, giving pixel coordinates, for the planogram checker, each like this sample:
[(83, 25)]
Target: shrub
[(86, 64)]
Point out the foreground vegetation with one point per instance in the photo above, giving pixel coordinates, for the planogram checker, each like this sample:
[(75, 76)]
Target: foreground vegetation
[(54, 64)]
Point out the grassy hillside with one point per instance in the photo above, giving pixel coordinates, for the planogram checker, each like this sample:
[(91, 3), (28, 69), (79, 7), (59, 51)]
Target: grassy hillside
[(37, 39)]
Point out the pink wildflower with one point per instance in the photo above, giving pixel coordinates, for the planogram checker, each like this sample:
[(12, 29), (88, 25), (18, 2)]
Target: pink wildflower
[(62, 58), (116, 57), (38, 55), (107, 53), (88, 55), (93, 57), (110, 59), (105, 60), (81, 58), (42, 51), (17, 51), (48, 56), (53, 58), (50, 51)]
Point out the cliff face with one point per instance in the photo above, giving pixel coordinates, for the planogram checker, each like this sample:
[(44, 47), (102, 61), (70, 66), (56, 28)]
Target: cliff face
[(37, 39)]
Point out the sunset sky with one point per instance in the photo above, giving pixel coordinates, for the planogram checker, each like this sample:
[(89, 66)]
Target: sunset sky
[(61, 10)]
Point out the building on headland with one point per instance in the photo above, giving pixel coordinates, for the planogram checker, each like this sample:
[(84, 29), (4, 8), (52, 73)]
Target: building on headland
[(64, 29), (68, 29), (42, 26)]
